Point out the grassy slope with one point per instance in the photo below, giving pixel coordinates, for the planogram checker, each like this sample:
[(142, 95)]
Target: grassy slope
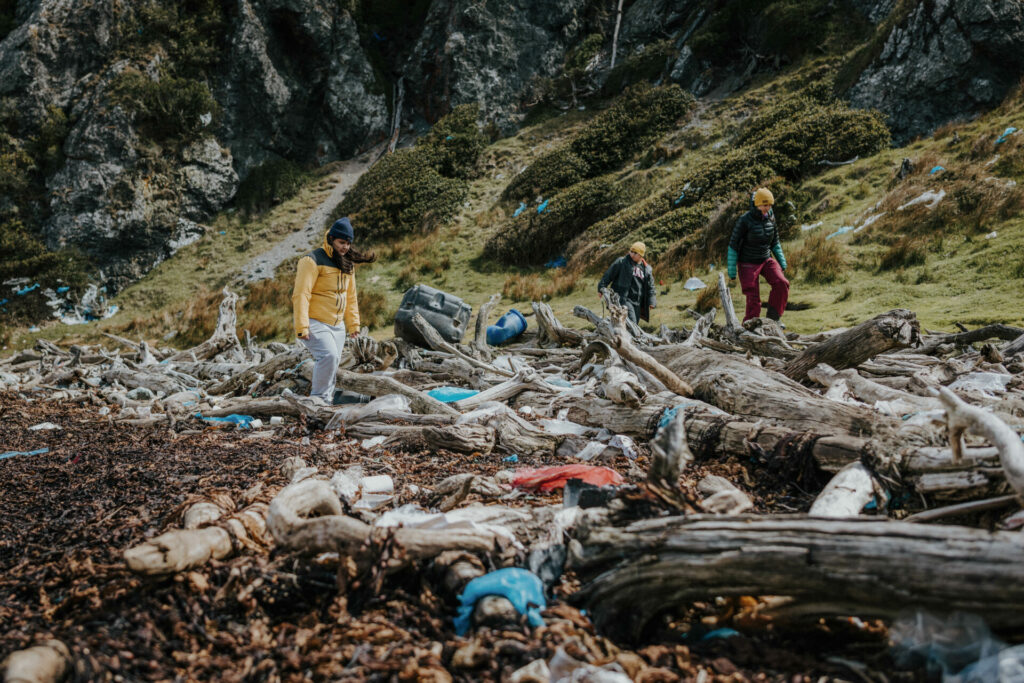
[(970, 279)]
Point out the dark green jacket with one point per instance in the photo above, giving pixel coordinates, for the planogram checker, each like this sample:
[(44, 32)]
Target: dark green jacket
[(619, 276)]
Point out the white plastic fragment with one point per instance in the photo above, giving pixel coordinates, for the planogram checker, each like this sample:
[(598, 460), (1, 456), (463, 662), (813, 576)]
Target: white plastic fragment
[(373, 442), (991, 235), (624, 444), (276, 420), (591, 450), (43, 426), (986, 382), (693, 284), (930, 199)]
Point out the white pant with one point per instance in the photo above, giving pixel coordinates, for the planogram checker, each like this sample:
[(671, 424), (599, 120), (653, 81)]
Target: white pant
[(325, 343)]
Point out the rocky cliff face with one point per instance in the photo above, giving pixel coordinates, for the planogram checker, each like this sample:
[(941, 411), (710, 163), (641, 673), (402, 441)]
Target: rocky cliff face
[(948, 60), (293, 80)]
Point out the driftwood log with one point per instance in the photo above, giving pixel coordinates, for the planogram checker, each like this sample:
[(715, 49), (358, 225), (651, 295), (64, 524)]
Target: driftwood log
[(833, 567), (896, 329)]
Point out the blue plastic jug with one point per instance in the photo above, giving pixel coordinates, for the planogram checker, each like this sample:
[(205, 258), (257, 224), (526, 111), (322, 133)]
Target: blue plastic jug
[(508, 327)]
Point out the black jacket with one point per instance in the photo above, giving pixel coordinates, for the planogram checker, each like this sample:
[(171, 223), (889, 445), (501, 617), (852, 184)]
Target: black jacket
[(619, 276), (754, 236)]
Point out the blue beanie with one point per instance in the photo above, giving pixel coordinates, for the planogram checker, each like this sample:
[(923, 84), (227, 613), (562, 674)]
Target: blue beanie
[(342, 228)]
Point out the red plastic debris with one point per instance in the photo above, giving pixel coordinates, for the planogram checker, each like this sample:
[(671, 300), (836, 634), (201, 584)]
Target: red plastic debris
[(551, 478)]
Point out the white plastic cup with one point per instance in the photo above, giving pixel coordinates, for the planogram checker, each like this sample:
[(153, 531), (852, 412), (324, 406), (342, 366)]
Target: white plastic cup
[(378, 483)]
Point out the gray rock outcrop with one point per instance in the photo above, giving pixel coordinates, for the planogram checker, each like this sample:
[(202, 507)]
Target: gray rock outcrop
[(489, 51), (948, 60)]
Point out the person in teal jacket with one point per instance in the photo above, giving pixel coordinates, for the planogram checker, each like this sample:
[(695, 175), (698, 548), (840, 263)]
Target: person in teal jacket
[(755, 240)]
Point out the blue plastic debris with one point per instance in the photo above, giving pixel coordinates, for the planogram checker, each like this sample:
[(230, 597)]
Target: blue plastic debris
[(26, 290), (522, 207), (241, 421), (223, 232), (508, 327), (681, 197), (61, 290), (450, 137), (559, 382), (559, 262), (543, 205), (451, 394), (512, 458), (12, 454), (519, 586), (34, 328), (4, 301), (1006, 133), (669, 415), (936, 169), (841, 231), (721, 633)]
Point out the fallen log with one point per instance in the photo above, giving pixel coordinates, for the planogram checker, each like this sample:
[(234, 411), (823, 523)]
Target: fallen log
[(897, 328), (962, 418), (224, 337), (551, 329), (723, 497), (835, 567), (266, 370), (381, 385), (461, 438), (846, 494), (437, 342), (480, 331)]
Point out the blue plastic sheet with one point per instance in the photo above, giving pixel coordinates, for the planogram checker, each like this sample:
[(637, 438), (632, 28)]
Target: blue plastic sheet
[(61, 290), (519, 586), (681, 197), (936, 169), (450, 137), (241, 421), (841, 231), (543, 205), (1006, 133), (522, 207), (12, 454), (451, 394), (512, 458), (721, 633), (26, 290), (559, 262)]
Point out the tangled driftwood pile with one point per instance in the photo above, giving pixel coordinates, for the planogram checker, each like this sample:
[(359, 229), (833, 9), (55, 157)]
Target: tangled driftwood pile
[(909, 427)]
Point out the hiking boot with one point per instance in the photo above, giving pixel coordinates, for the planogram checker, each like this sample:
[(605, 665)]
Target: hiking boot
[(773, 314)]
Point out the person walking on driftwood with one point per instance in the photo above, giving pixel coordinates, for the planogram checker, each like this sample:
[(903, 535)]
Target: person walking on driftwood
[(755, 239), (630, 277), (324, 303)]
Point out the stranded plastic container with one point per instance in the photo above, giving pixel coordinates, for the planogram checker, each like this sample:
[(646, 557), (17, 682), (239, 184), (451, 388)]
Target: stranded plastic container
[(447, 313), (508, 327)]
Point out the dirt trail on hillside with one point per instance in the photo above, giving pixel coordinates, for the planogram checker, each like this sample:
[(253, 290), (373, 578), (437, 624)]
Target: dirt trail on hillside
[(262, 266)]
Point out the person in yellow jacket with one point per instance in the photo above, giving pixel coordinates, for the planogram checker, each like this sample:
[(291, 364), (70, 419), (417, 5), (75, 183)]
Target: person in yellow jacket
[(324, 303)]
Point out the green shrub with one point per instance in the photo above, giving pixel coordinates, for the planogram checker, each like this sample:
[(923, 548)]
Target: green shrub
[(559, 168), (194, 33), (270, 183), (401, 194), (16, 168), (533, 238), (579, 56), (636, 119), (420, 188), (454, 143), (168, 109), (647, 66), (22, 254)]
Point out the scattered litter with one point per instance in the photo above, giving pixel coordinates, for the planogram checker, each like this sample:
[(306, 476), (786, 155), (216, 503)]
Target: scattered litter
[(1006, 133), (721, 633), (957, 644), (373, 442), (559, 427), (276, 420), (512, 458), (624, 444), (543, 205), (25, 290), (141, 394), (14, 454), (43, 426), (223, 232), (811, 226), (991, 235), (869, 221), (451, 394), (986, 382), (61, 290), (681, 197), (240, 421), (565, 668), (929, 198), (522, 207), (526, 410), (550, 478), (206, 119), (578, 493), (694, 283), (509, 326), (993, 160), (559, 382), (841, 231), (591, 450), (559, 262), (936, 169), (520, 587), (925, 417), (34, 328), (450, 137)]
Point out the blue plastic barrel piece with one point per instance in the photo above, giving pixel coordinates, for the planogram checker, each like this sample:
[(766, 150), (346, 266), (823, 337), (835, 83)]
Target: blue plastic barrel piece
[(508, 327), (451, 394)]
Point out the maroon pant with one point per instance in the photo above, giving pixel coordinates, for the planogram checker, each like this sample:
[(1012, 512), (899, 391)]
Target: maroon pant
[(772, 272)]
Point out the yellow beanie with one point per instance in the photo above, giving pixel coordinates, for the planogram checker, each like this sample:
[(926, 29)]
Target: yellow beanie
[(639, 247), (763, 196)]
